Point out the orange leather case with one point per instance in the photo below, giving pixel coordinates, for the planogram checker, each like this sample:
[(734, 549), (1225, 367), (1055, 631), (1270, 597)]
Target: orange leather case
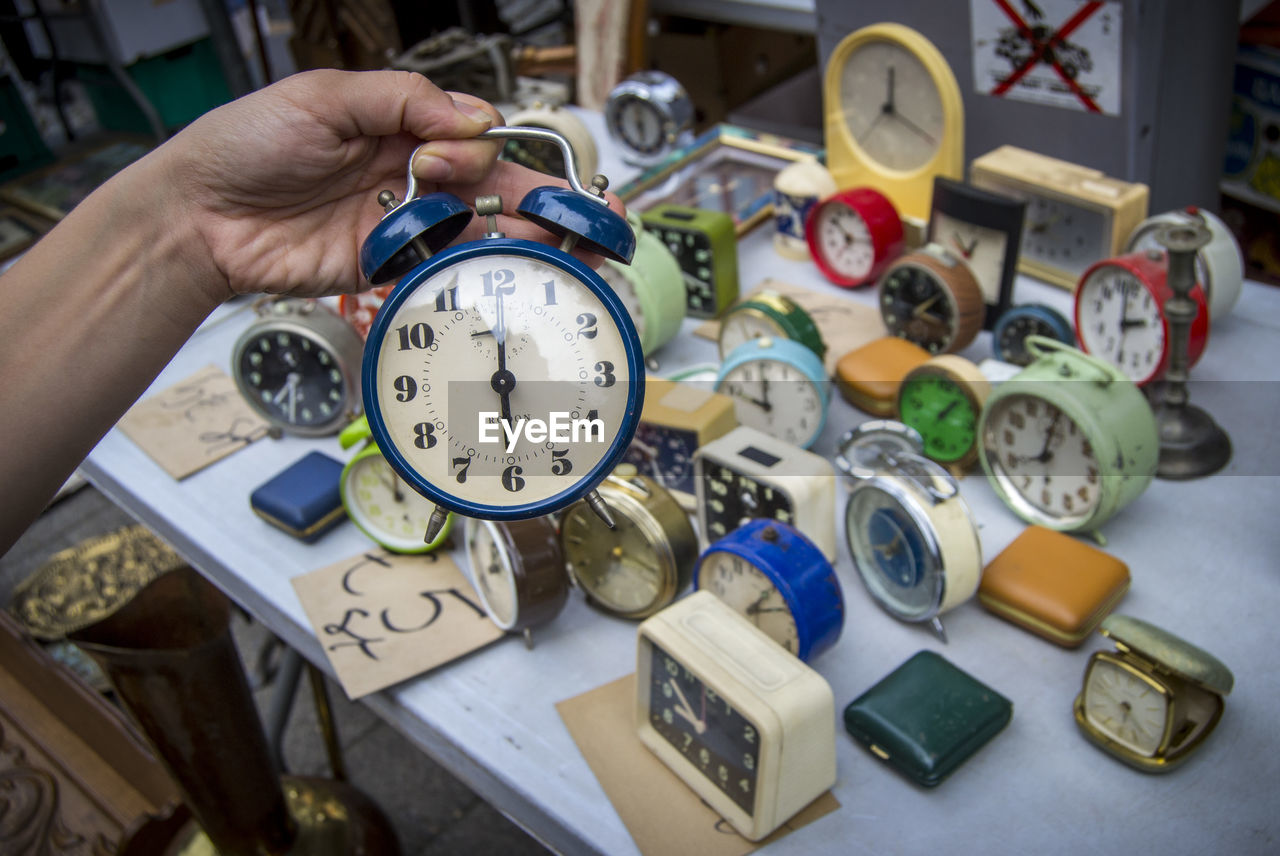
[(869, 377), (1053, 585)]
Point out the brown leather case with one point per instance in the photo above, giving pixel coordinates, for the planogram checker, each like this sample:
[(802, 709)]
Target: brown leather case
[(1053, 585), (869, 377)]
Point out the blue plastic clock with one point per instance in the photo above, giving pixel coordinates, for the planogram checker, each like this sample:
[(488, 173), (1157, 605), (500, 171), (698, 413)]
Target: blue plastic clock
[(503, 378), (1009, 336), (779, 387), (775, 576)]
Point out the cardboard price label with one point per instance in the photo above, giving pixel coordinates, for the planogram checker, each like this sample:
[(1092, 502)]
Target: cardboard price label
[(383, 617)]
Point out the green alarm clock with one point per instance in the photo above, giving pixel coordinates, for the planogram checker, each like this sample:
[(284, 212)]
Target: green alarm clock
[(705, 243), (942, 399), (651, 288), (767, 313), (1069, 440), (379, 502)]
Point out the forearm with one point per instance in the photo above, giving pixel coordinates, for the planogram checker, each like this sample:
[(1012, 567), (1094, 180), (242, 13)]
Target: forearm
[(88, 317)]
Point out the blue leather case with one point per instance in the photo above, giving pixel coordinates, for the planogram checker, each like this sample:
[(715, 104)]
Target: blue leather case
[(303, 499)]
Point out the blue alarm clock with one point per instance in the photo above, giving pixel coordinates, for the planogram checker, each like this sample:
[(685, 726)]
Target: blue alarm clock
[(1009, 336), (503, 378), (776, 577), (779, 387)]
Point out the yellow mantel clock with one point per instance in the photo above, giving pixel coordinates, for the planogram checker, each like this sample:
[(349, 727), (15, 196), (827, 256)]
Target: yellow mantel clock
[(894, 118)]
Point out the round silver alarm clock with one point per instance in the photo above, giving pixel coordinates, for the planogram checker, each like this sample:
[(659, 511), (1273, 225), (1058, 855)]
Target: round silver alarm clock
[(650, 115)]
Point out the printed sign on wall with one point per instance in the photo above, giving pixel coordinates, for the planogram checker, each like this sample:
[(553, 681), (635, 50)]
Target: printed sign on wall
[(1063, 53)]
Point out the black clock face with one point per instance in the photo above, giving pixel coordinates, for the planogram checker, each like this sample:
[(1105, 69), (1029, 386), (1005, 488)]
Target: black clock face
[(731, 498), (1012, 344), (716, 739), (664, 454), (692, 250), (293, 379), (916, 306)]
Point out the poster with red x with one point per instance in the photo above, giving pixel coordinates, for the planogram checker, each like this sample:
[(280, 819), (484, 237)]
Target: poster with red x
[(1064, 53)]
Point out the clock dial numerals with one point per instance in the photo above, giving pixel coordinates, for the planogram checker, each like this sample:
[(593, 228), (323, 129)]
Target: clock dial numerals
[(845, 241), (893, 106), (889, 549), (381, 502), (1063, 236), (715, 738), (664, 455), (982, 248), (293, 378), (917, 307), (619, 566), (745, 588), (733, 498), (776, 398), (1119, 321), (1126, 707), (938, 408), (693, 251), (516, 339), (491, 571), (1044, 456)]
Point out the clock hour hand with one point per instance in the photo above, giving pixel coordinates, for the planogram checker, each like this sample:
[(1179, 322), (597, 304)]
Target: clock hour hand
[(685, 709), (965, 250)]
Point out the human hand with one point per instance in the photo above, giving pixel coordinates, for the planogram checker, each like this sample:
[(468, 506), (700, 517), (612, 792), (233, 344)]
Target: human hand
[(279, 188)]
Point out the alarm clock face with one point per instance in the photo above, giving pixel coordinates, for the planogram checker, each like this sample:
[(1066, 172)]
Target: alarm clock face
[(639, 123), (745, 588), (1045, 457), (939, 409), (718, 740), (692, 250), (1062, 235), (892, 105), (664, 454), (1119, 321), (1126, 706), (742, 326), (1009, 338), (293, 379), (492, 572), (891, 552), (776, 398), (983, 249), (619, 567), (918, 307), (501, 381), (733, 498), (844, 241), (387, 509)]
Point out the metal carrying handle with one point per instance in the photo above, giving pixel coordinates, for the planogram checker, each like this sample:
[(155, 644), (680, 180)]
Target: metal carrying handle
[(1039, 346), (518, 132), (927, 475)]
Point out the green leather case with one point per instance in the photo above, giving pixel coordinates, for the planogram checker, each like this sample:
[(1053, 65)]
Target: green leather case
[(926, 717)]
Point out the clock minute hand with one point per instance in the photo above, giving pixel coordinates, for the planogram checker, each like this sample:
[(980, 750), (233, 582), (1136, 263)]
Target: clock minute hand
[(685, 709), (502, 381)]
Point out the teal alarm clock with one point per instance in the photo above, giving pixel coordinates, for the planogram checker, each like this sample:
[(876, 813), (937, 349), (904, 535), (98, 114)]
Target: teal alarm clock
[(479, 333), (1069, 440), (780, 581), (705, 243), (651, 288), (779, 387)]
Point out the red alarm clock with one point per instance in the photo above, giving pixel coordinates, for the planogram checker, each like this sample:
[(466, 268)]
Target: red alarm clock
[(853, 235), (360, 309), (1120, 315)]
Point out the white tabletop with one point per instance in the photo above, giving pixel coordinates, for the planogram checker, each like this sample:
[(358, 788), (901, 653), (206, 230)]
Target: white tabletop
[(1203, 557)]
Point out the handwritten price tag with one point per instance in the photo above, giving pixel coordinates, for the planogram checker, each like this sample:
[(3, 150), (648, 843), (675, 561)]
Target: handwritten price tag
[(193, 423), (383, 617)]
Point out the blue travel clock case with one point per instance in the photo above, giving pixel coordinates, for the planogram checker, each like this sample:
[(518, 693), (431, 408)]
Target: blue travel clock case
[(811, 590), (303, 499)]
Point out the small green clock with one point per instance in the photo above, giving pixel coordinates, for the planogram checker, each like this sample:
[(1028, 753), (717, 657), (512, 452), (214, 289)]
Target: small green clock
[(705, 244), (1066, 455), (768, 313), (651, 288), (379, 502), (942, 399)]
